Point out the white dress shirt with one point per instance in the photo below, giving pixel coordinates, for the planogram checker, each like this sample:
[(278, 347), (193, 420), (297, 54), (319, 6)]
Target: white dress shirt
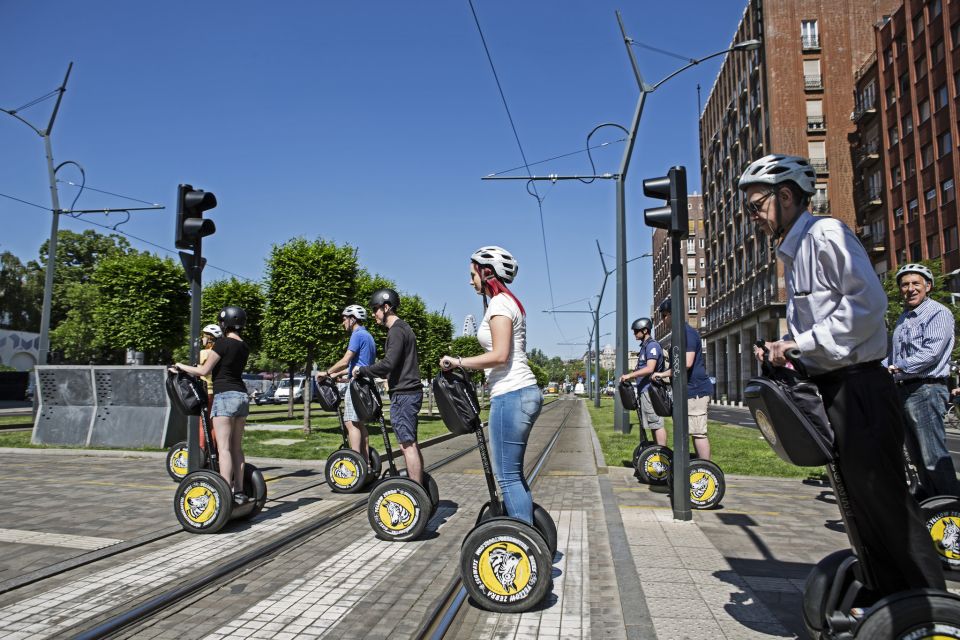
[(835, 303)]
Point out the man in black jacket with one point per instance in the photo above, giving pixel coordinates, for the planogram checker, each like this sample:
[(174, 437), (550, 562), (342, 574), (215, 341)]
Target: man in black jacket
[(402, 370)]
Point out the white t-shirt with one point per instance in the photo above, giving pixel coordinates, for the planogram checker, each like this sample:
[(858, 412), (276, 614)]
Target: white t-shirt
[(515, 373)]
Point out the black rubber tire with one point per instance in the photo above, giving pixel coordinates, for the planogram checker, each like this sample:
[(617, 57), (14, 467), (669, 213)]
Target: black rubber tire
[(177, 459), (376, 465), (546, 526), (710, 496), (485, 513), (432, 490), (212, 502), (941, 515), (923, 615), (255, 488), (816, 590), (636, 452), (653, 464), (407, 517), (528, 558), (346, 471)]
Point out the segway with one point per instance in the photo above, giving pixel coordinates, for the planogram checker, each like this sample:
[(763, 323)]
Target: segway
[(399, 507), (505, 563), (346, 470), (651, 461), (203, 502), (837, 602)]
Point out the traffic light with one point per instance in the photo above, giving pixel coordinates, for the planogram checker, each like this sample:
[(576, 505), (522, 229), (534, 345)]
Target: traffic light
[(191, 226), (672, 188)]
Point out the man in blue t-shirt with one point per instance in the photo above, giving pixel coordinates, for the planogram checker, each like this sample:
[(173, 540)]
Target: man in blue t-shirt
[(699, 387), (649, 360), (361, 351)]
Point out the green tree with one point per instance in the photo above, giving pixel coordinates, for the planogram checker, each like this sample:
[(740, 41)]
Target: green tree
[(537, 357), (939, 292), (248, 295), (539, 373), (555, 369), (465, 347), (364, 286), (308, 285), (19, 305), (438, 338), (141, 304), (76, 336)]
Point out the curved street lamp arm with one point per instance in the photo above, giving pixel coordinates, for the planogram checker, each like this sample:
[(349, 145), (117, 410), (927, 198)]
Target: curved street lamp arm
[(14, 114)]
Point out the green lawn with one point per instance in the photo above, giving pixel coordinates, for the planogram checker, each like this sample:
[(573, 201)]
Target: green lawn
[(738, 450), (16, 419)]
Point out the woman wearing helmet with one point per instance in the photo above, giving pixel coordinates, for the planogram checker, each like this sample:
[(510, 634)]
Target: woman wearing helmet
[(515, 398), (231, 405), (208, 335), (361, 351)]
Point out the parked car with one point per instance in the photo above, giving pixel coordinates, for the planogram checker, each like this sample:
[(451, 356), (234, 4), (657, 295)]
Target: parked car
[(282, 394), (552, 387), (267, 397), (579, 389)]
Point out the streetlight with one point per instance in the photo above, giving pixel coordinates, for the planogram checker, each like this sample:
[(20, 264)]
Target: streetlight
[(621, 418)]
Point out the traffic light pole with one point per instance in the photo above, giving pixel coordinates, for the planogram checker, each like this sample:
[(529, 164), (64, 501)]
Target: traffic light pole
[(678, 365), (193, 264)]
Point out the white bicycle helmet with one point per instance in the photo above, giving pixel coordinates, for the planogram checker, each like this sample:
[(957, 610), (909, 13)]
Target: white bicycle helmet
[(498, 259), (356, 311), (915, 268), (213, 330), (774, 169)]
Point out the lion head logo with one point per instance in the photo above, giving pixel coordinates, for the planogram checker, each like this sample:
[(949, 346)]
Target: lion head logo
[(198, 504), (504, 565), (951, 536), (398, 514), (700, 486)]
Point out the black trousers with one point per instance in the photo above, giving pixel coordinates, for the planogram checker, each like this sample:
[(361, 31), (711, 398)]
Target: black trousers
[(867, 417)]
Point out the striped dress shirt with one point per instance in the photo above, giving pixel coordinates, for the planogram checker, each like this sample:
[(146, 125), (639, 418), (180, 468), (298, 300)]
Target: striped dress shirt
[(923, 341)]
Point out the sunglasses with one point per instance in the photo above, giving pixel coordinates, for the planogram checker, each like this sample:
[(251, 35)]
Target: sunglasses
[(753, 208)]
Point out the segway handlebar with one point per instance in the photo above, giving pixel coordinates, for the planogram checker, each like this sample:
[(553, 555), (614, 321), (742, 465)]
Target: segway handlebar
[(792, 355)]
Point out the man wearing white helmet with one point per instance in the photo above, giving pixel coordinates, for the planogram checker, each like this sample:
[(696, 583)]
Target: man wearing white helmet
[(920, 363), (835, 316), (361, 351)]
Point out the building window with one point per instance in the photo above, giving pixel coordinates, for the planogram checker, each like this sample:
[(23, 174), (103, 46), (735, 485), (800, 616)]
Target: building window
[(924, 109), (905, 84), (920, 66), (913, 209), (901, 45), (955, 34), (701, 243), (910, 166), (691, 304), (950, 239), (926, 152), (811, 74), (703, 283), (933, 246), (901, 255), (907, 125), (703, 261), (892, 132), (935, 9), (888, 56), (898, 215), (815, 115), (918, 24), (940, 97), (895, 175), (915, 254), (892, 96), (930, 196), (691, 265), (956, 82), (809, 35), (944, 143), (691, 247), (691, 284), (946, 190), (936, 53)]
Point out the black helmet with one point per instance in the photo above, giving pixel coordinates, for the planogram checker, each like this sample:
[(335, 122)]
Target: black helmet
[(232, 317), (381, 297), (641, 323), (664, 307)]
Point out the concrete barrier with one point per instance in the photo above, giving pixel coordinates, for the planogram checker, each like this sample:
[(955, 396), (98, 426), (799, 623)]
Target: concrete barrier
[(105, 406)]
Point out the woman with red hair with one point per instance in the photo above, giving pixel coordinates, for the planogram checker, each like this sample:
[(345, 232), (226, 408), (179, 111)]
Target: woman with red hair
[(515, 398)]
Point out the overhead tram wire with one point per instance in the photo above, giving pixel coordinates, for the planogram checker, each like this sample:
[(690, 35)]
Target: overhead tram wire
[(129, 235), (561, 156), (513, 126)]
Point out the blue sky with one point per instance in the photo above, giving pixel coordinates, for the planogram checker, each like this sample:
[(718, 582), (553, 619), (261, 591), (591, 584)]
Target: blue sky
[(362, 123)]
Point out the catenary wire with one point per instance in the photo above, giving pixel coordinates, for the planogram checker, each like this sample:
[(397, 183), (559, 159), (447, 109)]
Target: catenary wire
[(563, 155), (109, 193)]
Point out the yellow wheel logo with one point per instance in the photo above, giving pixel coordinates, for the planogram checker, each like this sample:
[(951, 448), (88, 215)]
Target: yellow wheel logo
[(178, 462), (200, 504), (766, 427), (944, 528), (397, 511), (703, 486), (345, 473), (933, 632), (504, 568), (657, 466)]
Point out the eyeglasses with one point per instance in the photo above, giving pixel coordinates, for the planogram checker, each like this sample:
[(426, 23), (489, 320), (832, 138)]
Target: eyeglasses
[(753, 208)]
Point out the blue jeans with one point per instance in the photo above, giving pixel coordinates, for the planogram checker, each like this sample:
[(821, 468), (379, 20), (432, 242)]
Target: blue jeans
[(512, 415), (925, 405)]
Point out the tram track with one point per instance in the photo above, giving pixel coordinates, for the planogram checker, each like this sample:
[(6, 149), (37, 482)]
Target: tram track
[(257, 557)]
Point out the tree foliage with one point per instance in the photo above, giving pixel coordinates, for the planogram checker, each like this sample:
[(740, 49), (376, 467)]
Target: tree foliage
[(76, 336), (141, 305), (539, 374), (436, 344), (248, 295), (20, 299)]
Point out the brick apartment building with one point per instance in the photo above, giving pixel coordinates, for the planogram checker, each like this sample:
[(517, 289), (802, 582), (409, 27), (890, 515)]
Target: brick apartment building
[(796, 100), (907, 137), (694, 268)]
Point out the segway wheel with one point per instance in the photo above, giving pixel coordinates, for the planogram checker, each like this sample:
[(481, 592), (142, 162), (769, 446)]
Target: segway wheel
[(653, 464), (255, 488), (816, 590), (177, 461), (707, 484), (398, 509), (376, 465), (636, 454), (346, 471), (921, 615), (203, 502), (505, 565), (543, 523), (942, 516), (432, 490)]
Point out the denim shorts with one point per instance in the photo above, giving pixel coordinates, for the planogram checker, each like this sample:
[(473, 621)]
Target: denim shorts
[(231, 404), (404, 409)]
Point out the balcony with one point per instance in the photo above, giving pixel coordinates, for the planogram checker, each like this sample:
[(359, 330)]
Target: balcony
[(864, 111), (816, 124), (820, 205), (870, 200), (813, 83), (819, 165), (867, 154), (810, 42)]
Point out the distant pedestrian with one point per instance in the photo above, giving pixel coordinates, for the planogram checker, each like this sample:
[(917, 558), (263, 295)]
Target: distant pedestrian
[(649, 360), (515, 398), (920, 363)]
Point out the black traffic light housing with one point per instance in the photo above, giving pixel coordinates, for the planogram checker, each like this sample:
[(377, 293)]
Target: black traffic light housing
[(191, 226), (674, 217)]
